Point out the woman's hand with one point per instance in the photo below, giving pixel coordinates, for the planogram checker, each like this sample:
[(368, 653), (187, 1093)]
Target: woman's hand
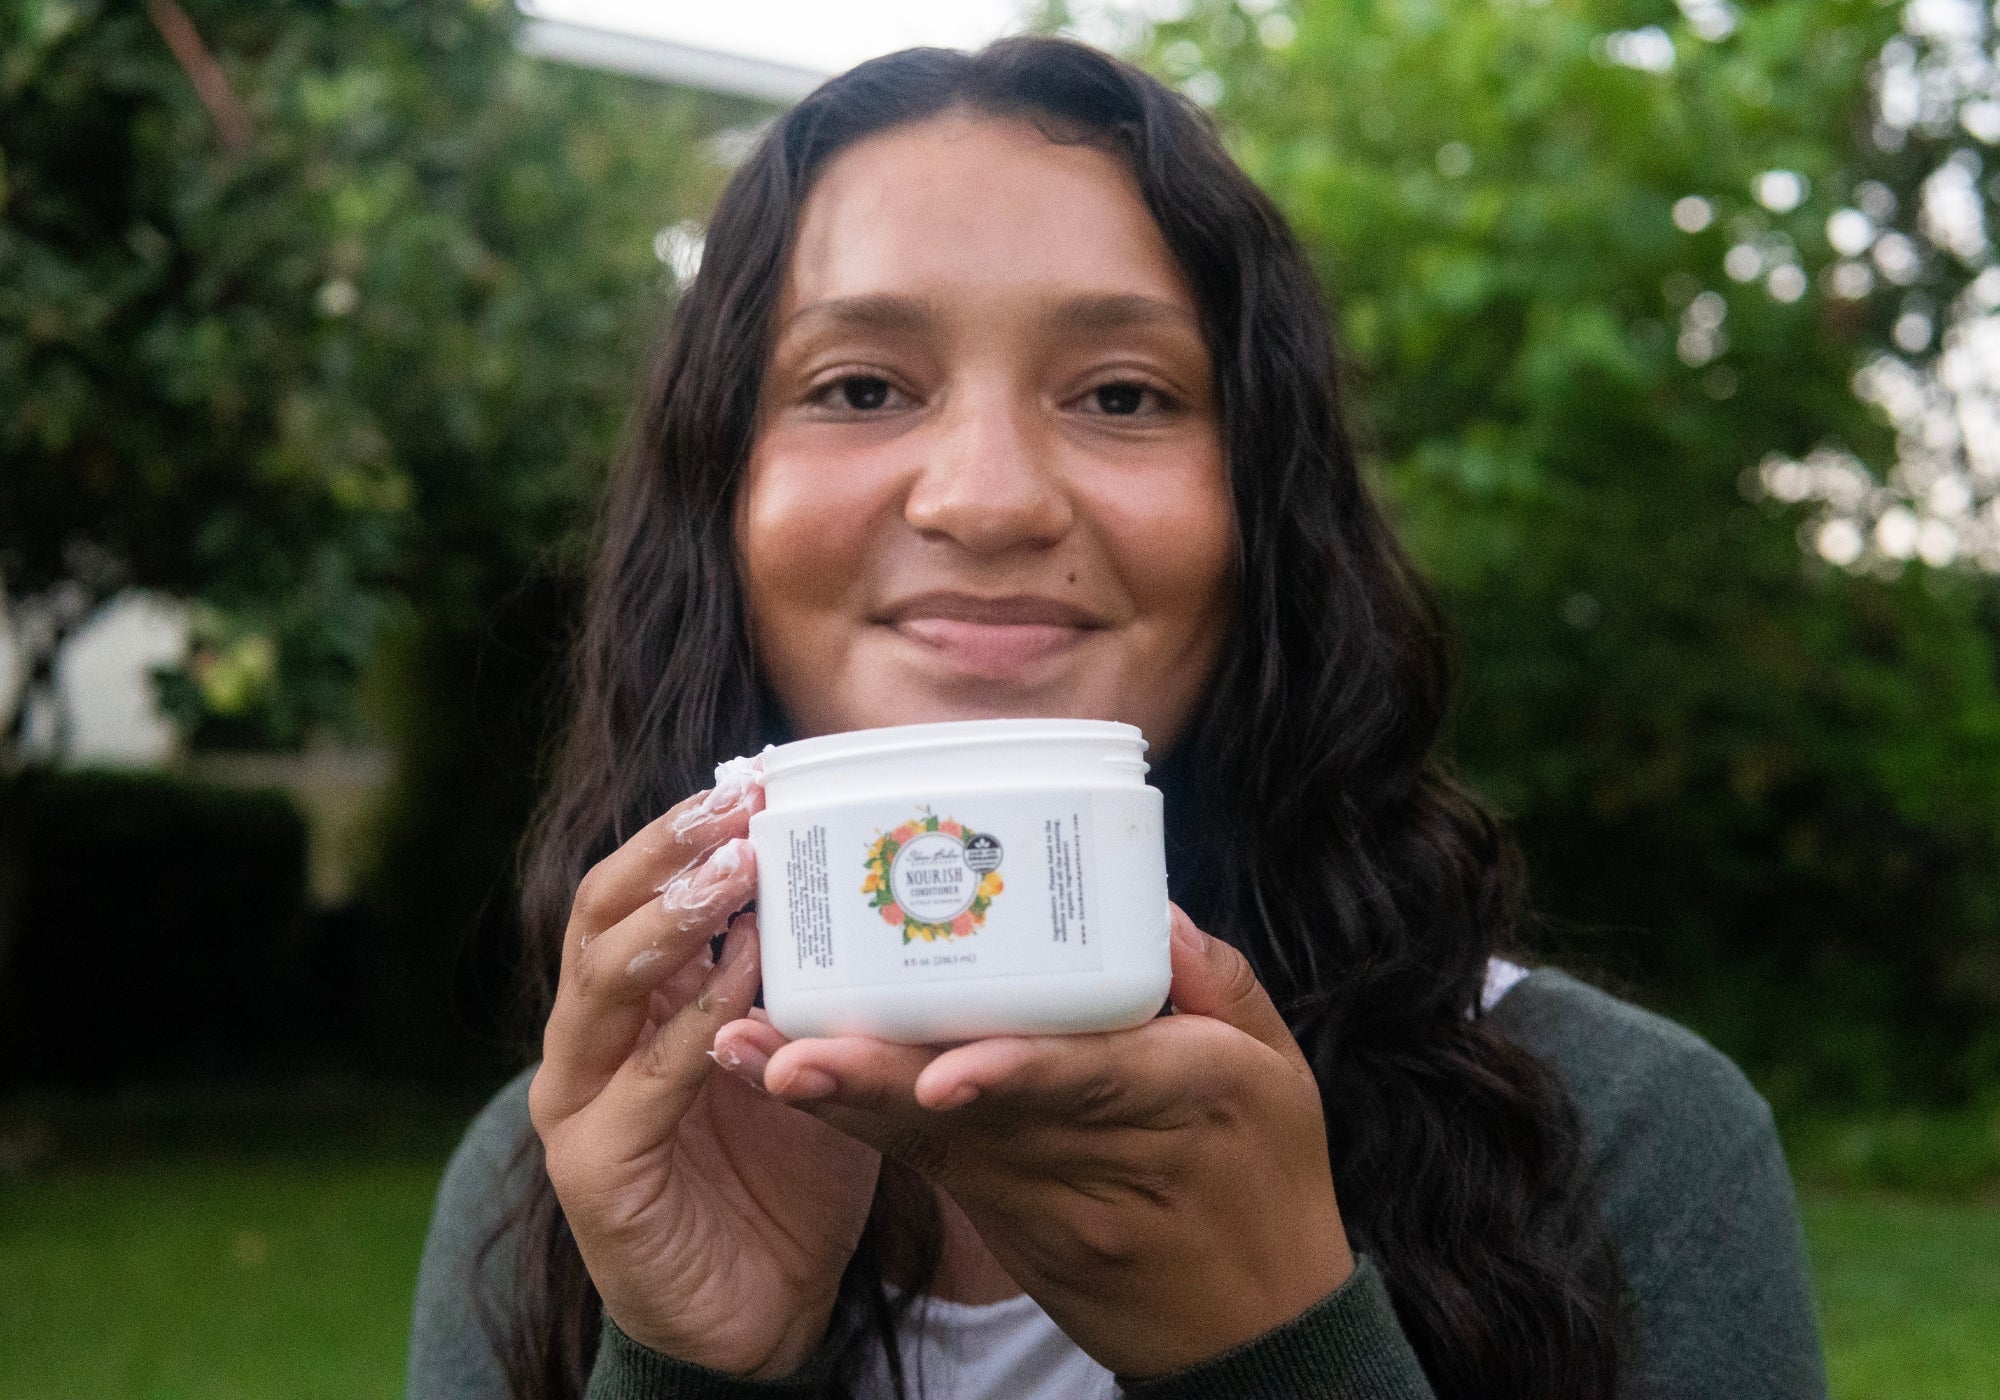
[(1164, 1192), (714, 1220)]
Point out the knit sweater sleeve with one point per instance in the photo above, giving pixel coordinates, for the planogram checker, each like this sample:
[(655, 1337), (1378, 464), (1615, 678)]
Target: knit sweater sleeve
[(1347, 1346), (626, 1370), (452, 1357), (1693, 1190)]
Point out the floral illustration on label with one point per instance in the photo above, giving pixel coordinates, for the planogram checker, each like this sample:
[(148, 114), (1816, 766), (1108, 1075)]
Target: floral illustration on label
[(933, 876)]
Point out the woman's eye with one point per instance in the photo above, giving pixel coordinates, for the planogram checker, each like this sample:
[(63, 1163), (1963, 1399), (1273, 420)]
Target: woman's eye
[(860, 392), (1122, 400)]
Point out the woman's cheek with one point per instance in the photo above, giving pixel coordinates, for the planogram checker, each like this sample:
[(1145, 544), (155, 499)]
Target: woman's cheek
[(804, 528), (1175, 544), (806, 538)]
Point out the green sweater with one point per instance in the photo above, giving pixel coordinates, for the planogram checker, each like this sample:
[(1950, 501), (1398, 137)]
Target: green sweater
[(1694, 1193)]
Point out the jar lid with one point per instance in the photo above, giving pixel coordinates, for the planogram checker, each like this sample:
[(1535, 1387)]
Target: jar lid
[(965, 734)]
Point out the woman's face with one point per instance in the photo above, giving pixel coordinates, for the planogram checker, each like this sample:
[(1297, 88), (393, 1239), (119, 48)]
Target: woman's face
[(988, 474)]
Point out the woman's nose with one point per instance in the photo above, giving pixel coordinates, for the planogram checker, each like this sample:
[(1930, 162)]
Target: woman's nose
[(989, 480)]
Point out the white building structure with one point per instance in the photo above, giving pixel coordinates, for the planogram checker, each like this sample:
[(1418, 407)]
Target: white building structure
[(104, 674)]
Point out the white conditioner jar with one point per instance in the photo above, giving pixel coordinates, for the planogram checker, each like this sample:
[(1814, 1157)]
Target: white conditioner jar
[(943, 882)]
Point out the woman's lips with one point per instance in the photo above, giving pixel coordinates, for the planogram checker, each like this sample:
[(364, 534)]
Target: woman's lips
[(991, 638), (990, 650)]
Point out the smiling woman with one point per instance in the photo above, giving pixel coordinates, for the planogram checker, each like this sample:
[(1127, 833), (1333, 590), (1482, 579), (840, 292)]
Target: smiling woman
[(988, 408), (1003, 393)]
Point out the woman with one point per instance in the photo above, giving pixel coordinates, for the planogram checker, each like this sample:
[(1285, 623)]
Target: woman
[(1002, 391)]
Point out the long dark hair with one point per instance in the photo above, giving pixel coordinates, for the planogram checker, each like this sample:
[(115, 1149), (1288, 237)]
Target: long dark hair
[(1367, 889)]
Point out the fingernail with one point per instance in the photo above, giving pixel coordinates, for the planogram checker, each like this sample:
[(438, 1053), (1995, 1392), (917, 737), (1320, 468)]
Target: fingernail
[(1188, 936), (958, 1098), (726, 860), (744, 1061), (808, 1084), (692, 886)]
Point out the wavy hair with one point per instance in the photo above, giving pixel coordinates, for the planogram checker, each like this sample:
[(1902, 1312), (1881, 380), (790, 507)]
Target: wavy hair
[(1365, 886)]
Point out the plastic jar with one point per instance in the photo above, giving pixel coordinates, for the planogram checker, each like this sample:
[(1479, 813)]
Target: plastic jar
[(942, 882)]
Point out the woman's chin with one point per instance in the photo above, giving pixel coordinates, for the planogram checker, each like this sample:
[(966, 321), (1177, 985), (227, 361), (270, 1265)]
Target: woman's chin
[(874, 687), (943, 709), (908, 703)]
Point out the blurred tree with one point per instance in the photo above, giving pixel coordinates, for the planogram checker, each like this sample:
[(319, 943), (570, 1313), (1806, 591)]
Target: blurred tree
[(360, 362), (347, 378), (1573, 248), (1920, 240)]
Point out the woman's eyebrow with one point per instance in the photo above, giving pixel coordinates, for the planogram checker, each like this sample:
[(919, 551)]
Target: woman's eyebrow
[(1125, 311), (890, 313), (881, 312)]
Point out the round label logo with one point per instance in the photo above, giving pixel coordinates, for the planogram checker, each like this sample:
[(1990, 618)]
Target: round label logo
[(932, 879), (982, 852)]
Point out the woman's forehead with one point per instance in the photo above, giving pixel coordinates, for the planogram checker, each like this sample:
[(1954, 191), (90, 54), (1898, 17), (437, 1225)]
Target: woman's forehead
[(964, 209)]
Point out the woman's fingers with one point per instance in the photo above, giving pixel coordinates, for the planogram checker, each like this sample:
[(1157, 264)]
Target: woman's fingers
[(1030, 1097), (1048, 1095), (653, 1088), (865, 1088), (667, 847), (864, 1073), (1162, 1074), (745, 1047), (607, 992), (1081, 1078), (1213, 979)]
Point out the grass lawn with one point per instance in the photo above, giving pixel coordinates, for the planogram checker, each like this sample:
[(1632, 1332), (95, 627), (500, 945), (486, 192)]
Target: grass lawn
[(1909, 1294), (280, 1274), (211, 1279)]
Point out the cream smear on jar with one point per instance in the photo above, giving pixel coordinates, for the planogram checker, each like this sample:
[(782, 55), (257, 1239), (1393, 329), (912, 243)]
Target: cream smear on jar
[(733, 781), (941, 882)]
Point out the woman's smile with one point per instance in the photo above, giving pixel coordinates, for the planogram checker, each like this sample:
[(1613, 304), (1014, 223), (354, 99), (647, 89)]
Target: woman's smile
[(1013, 638)]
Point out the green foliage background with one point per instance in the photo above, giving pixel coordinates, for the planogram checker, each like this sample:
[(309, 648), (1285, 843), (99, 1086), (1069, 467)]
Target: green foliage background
[(353, 387), (361, 375), (1763, 792)]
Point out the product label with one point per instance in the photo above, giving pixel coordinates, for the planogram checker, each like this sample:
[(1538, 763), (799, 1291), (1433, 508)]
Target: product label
[(810, 906), (999, 884)]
